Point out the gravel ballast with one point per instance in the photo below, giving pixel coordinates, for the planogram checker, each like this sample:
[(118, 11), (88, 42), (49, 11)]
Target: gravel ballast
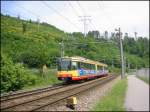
[(85, 100)]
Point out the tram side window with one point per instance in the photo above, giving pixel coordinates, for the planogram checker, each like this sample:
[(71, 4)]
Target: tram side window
[(99, 68), (105, 69), (87, 66), (92, 67), (83, 65), (79, 65), (74, 65)]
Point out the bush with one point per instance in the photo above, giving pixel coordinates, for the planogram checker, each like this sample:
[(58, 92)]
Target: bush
[(114, 70), (14, 76)]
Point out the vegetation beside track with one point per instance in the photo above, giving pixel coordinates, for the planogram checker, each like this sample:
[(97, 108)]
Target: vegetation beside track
[(28, 46), (44, 80), (114, 99), (145, 79), (14, 76)]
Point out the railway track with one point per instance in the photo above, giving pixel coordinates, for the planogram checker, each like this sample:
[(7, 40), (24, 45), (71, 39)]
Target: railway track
[(33, 102), (19, 94), (18, 98)]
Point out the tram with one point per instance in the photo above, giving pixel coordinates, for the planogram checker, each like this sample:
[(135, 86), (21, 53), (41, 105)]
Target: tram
[(79, 68)]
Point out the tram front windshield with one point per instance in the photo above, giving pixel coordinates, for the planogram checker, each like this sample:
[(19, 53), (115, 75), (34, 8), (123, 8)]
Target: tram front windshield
[(64, 65)]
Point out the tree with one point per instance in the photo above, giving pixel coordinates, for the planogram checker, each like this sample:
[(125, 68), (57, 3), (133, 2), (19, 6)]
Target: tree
[(30, 21), (18, 17), (126, 35), (94, 34), (24, 27), (14, 76), (106, 35)]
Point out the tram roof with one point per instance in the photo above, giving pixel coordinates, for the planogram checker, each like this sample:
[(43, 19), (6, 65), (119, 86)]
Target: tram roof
[(81, 59)]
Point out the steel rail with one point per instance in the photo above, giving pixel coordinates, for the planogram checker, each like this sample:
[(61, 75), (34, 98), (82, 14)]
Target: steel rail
[(26, 93), (55, 96)]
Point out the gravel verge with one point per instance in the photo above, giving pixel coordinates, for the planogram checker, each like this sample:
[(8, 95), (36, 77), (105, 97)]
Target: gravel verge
[(86, 100)]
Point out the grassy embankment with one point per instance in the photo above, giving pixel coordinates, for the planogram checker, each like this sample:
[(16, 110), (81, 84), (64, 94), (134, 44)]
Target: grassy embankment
[(44, 80), (145, 79), (113, 100)]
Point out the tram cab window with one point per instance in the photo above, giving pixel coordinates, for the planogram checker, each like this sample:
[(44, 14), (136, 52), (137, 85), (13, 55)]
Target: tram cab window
[(64, 64)]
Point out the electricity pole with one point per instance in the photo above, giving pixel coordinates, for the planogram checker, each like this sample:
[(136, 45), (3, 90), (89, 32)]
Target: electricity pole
[(38, 22), (62, 49), (112, 63), (121, 53), (85, 19), (128, 65), (125, 64), (62, 52), (135, 33)]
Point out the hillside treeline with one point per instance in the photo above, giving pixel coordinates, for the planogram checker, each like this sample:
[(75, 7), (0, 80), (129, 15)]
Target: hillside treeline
[(34, 44)]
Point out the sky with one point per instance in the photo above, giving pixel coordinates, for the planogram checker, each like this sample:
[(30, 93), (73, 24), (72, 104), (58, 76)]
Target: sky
[(130, 16)]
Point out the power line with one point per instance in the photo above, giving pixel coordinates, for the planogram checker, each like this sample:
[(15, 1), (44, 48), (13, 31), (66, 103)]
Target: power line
[(78, 15), (6, 11), (73, 8), (86, 43), (81, 8), (37, 16), (29, 11), (51, 8), (73, 44), (85, 24), (107, 17), (92, 24), (85, 19)]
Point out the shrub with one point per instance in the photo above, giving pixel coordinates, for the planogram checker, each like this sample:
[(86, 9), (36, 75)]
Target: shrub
[(14, 76)]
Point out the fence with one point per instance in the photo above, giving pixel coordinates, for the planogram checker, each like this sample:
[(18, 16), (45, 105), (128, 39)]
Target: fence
[(144, 72)]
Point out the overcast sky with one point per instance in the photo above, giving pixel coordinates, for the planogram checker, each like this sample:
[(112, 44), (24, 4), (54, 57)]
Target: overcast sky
[(131, 16)]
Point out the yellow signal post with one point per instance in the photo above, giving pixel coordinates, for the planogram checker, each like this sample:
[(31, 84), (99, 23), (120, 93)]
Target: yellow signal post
[(71, 102)]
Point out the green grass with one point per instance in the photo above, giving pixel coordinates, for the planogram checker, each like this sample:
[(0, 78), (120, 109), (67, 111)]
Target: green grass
[(145, 79), (49, 78), (113, 100)]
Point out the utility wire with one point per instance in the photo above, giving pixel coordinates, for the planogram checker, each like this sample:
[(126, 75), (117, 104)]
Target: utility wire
[(81, 8), (84, 13), (76, 13), (29, 11), (93, 25), (6, 11), (107, 17), (108, 42), (51, 8)]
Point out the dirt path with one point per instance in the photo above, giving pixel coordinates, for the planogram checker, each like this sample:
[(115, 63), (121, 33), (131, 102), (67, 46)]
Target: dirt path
[(137, 97)]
